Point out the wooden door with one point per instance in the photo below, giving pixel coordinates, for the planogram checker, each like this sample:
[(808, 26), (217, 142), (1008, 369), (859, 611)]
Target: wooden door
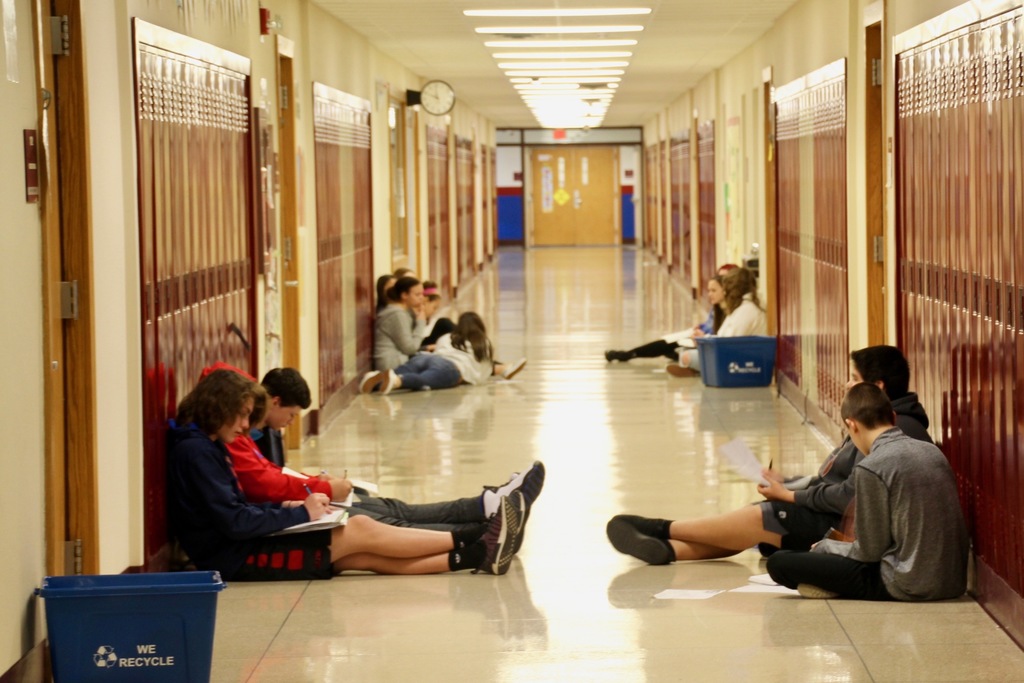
[(575, 194), (596, 196), (553, 222)]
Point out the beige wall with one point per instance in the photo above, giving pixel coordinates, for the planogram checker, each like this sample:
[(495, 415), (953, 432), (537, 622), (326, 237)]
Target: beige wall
[(22, 506)]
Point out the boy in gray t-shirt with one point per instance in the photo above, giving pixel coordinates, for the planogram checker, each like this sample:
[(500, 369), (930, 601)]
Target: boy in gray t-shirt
[(910, 540)]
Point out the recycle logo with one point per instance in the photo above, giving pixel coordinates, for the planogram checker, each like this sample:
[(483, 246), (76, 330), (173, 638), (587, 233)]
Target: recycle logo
[(105, 657)]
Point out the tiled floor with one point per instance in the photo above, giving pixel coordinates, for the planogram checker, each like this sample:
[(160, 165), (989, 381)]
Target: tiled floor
[(622, 437)]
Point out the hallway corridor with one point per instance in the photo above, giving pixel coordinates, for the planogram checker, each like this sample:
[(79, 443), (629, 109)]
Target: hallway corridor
[(614, 438)]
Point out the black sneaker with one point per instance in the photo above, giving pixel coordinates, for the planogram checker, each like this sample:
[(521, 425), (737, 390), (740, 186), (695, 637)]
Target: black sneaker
[(626, 539), (524, 510), (645, 525), (505, 526), (621, 356)]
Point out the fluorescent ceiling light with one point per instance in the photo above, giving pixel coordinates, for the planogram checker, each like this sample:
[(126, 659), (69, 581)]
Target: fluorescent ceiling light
[(567, 72), (596, 12), (561, 55), (613, 85), (562, 65), (556, 30), (552, 44), (582, 79), (520, 80), (545, 86)]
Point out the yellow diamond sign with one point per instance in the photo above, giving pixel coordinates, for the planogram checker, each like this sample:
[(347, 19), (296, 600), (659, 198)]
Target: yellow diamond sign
[(561, 196)]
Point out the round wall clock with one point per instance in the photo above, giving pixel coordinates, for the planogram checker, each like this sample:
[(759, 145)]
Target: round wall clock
[(437, 98)]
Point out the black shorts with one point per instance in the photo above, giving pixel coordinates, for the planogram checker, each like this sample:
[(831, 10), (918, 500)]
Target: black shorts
[(293, 557), (800, 527)]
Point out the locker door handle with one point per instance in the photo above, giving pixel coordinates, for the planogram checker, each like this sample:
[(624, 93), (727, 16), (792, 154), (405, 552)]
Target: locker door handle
[(291, 283)]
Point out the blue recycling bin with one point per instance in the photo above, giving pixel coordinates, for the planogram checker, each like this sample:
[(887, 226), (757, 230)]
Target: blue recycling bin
[(737, 361), (125, 628)]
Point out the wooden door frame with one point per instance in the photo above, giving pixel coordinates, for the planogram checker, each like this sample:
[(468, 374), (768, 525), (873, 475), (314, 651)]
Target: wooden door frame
[(291, 272), (874, 136), (66, 215), (770, 258)]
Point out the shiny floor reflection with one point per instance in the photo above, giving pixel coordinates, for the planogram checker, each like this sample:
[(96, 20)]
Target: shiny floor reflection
[(620, 437)]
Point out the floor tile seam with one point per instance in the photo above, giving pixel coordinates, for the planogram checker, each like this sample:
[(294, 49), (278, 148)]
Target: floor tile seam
[(277, 633), (853, 644)]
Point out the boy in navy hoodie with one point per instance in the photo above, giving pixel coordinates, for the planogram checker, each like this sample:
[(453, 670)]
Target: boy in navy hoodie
[(221, 530)]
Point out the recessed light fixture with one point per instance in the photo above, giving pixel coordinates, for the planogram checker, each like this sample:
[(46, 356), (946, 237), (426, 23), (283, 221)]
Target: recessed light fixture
[(596, 12), (543, 73), (549, 86), (552, 44), (545, 30), (581, 79), (562, 65), (561, 55)]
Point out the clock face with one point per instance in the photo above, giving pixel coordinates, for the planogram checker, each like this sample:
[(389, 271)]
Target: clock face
[(437, 98)]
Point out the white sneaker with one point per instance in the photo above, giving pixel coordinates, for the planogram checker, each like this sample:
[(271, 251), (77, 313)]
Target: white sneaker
[(369, 382), (514, 369), (389, 382)]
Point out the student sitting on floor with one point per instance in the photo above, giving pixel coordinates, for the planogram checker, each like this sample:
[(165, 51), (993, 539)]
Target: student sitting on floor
[(437, 326), (789, 519), (265, 482), (743, 317), (910, 540), (220, 530), (465, 356), (400, 326), (668, 346)]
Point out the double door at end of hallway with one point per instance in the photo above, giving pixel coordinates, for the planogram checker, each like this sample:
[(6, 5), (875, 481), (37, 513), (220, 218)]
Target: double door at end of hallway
[(574, 195)]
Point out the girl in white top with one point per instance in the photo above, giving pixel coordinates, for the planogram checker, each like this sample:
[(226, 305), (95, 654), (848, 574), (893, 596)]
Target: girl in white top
[(744, 318), (465, 356)]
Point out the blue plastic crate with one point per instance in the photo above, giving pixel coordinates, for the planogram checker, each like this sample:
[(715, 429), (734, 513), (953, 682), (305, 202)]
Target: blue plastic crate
[(737, 361), (125, 628)]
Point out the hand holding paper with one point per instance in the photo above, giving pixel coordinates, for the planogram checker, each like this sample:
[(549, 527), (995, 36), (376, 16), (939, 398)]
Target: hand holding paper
[(743, 461)]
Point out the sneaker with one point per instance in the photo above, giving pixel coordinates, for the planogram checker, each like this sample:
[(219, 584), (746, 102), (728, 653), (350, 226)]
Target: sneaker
[(519, 500), (371, 381), (612, 355), (389, 382), (809, 591), (645, 525), (530, 481), (500, 536), (627, 540), (677, 370), (514, 369)]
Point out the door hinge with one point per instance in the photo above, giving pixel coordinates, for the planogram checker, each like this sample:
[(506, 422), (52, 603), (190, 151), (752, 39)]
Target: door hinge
[(60, 36), (73, 557), (284, 98), (876, 72), (69, 300), (878, 249)]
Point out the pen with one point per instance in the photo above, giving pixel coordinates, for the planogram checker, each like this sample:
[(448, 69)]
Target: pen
[(307, 490), (345, 475), (770, 461)]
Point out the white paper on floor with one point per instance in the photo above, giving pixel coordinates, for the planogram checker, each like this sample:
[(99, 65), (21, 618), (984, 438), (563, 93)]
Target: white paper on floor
[(680, 594)]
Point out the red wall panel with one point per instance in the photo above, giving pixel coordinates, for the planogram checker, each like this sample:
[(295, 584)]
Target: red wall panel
[(341, 132), (437, 197), (708, 262), (812, 259), (196, 264), (465, 213), (959, 189)]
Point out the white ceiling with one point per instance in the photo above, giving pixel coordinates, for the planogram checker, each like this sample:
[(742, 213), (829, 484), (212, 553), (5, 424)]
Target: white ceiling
[(683, 40)]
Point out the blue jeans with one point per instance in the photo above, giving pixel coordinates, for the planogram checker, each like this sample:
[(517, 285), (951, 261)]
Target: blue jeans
[(427, 371)]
